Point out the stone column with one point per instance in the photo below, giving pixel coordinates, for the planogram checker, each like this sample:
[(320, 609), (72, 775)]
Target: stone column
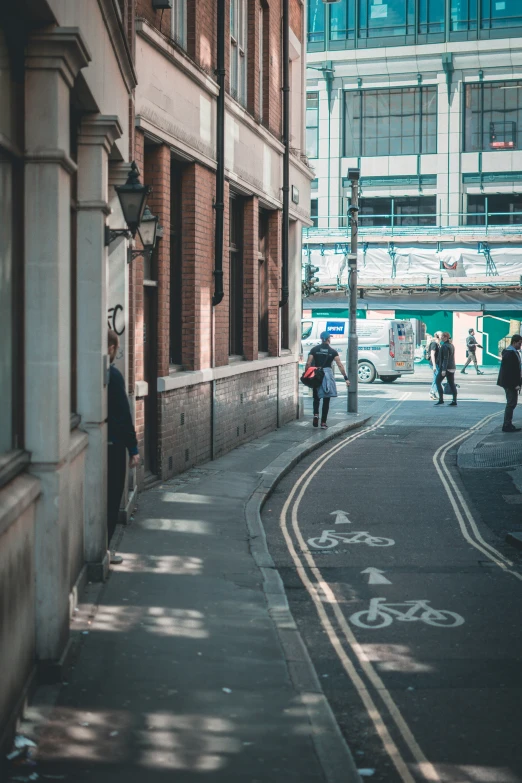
[(96, 138), (53, 61)]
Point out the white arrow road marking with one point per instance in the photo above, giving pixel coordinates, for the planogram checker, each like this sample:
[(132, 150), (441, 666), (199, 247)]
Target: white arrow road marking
[(341, 518), (376, 577)]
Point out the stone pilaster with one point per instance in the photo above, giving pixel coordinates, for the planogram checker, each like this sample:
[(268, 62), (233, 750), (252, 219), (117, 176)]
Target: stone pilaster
[(53, 59), (96, 138)]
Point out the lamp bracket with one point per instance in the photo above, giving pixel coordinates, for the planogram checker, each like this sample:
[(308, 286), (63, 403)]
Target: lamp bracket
[(113, 233)]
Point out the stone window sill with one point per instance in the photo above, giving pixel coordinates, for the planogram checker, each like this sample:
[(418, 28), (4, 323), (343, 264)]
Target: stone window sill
[(11, 464)]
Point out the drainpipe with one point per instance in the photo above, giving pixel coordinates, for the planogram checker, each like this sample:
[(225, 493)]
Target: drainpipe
[(286, 154), (219, 205)]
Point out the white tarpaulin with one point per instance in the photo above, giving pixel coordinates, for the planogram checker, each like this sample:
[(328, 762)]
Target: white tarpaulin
[(415, 262)]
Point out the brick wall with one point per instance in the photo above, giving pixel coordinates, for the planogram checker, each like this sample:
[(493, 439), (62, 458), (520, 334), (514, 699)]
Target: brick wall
[(296, 15), (274, 281), (251, 279), (198, 189), (185, 431), (157, 174), (221, 317)]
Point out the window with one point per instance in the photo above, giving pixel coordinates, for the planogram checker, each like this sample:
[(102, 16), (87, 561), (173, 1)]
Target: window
[(236, 278), (11, 255), (312, 124), (500, 210), (316, 19), (391, 122), (263, 282), (463, 15), (431, 16), (500, 14), (314, 211), (176, 273), (388, 19), (238, 60), (179, 22), (493, 116), (342, 22), (398, 211)]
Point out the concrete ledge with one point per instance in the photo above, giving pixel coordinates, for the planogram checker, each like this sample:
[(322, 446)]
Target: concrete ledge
[(332, 750), (16, 497), (180, 379)]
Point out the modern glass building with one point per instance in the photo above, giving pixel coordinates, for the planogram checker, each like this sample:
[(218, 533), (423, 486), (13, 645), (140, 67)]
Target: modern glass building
[(425, 98)]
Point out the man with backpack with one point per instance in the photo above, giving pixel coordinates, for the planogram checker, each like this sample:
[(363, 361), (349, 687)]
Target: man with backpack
[(323, 355), (471, 352)]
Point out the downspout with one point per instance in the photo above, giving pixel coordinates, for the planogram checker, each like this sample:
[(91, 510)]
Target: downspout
[(286, 153), (219, 205)]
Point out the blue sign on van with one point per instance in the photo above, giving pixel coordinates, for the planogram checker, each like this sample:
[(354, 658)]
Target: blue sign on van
[(335, 327)]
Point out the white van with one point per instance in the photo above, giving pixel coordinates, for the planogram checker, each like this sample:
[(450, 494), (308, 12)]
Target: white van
[(386, 348)]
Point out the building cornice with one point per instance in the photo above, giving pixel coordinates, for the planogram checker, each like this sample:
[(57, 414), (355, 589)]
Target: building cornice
[(119, 42)]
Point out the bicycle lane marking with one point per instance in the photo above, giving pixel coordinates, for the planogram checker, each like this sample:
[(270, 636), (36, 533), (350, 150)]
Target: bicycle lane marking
[(456, 497), (319, 592)]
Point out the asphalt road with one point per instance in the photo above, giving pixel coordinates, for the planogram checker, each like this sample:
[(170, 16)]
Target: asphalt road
[(404, 589)]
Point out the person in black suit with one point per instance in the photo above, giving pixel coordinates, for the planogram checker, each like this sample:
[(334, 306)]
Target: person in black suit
[(121, 437), (509, 377)]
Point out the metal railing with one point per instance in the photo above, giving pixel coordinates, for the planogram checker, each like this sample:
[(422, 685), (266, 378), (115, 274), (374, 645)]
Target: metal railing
[(337, 226)]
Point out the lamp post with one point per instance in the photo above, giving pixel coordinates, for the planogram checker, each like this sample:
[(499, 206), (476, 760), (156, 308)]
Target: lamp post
[(352, 358)]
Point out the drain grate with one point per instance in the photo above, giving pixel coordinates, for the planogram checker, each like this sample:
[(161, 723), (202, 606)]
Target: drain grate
[(498, 456)]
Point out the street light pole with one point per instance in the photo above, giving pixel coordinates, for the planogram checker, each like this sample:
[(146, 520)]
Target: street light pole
[(353, 341)]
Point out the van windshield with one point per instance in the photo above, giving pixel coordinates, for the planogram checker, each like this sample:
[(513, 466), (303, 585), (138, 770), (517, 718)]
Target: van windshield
[(306, 329)]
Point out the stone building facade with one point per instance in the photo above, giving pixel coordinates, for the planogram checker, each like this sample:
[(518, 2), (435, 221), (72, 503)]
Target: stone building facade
[(66, 82)]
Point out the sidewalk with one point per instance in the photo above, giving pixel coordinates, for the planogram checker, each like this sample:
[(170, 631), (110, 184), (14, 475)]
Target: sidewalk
[(189, 665)]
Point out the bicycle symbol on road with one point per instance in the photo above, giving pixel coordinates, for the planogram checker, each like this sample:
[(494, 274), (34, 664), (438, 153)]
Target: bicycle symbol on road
[(331, 538), (381, 614)]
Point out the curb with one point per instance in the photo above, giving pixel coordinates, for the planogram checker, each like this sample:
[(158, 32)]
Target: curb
[(332, 750), (466, 451)]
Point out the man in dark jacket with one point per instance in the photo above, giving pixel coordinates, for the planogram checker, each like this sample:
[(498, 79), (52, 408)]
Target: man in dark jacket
[(121, 436), (509, 378), (446, 368), (471, 352)]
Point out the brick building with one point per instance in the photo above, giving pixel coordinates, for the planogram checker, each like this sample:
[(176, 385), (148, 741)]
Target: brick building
[(208, 378)]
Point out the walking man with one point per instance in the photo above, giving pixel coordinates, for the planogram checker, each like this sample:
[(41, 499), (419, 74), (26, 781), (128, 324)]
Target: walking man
[(323, 355), (433, 354), (121, 436), (471, 352), (446, 368), (509, 377)]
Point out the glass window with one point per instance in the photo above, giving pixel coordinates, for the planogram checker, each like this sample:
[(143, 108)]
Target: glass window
[(179, 22), (386, 18), (238, 37), (391, 122), (501, 13), (342, 21), (493, 116), (312, 124), (500, 209), (463, 15), (11, 259), (236, 278), (399, 211), (314, 211), (431, 16), (263, 282), (316, 17)]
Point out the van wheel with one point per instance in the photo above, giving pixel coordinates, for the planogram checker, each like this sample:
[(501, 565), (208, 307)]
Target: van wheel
[(366, 372), (388, 378)]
